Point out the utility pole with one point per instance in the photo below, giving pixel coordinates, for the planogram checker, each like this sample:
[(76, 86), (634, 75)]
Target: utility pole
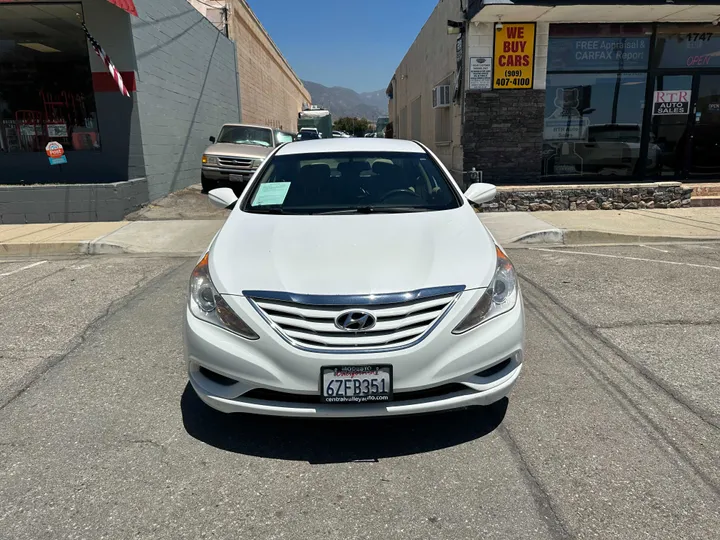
[(225, 18)]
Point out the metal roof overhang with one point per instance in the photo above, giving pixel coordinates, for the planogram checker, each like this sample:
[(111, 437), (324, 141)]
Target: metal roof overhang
[(610, 11), (125, 5)]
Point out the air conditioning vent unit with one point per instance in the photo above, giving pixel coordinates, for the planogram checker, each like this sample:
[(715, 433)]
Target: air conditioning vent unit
[(441, 96)]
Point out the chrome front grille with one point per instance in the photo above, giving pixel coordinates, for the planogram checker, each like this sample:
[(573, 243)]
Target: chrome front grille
[(236, 163), (311, 322)]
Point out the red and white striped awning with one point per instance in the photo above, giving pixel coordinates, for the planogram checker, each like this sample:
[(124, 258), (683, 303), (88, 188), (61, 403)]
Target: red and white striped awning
[(127, 5)]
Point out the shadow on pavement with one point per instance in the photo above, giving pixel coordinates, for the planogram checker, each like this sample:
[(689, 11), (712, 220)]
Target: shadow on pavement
[(336, 440)]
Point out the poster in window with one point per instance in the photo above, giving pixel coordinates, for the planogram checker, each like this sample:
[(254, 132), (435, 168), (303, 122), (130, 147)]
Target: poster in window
[(514, 56), (671, 103), (480, 73), (598, 53)]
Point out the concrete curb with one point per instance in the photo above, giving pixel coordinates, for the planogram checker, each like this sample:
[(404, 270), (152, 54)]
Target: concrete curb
[(43, 249), (54, 249), (48, 249), (570, 237)]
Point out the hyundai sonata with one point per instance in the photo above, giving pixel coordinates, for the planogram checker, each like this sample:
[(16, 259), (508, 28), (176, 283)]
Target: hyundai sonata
[(353, 278)]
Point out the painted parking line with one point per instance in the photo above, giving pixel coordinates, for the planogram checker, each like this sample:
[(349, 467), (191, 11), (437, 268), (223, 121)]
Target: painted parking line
[(656, 249), (625, 257), (28, 267)]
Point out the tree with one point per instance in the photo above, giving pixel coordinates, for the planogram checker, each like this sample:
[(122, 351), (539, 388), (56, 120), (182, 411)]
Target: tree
[(353, 126)]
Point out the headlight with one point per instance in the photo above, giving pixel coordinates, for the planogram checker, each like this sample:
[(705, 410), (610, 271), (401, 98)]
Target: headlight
[(498, 298), (207, 304), (256, 163), (209, 160)]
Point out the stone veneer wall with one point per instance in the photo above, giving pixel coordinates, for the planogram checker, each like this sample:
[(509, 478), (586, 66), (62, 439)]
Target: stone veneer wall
[(589, 197)]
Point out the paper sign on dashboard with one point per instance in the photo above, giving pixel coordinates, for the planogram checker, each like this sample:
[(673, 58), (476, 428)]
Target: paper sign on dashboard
[(272, 193)]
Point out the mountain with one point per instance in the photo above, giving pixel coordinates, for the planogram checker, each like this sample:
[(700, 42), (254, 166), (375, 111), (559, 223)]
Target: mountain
[(377, 99), (346, 102)]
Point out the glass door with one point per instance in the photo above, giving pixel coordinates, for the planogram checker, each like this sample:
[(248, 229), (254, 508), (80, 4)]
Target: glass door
[(670, 128), (704, 155)]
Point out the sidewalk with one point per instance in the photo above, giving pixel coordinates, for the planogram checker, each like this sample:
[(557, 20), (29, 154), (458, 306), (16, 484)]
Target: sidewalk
[(604, 226), (190, 237), (176, 237)]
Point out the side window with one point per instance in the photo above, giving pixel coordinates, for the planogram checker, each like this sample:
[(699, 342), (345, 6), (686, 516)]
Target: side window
[(283, 137)]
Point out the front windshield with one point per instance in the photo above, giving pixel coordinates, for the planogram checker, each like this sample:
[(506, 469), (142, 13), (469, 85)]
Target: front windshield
[(352, 182), (246, 135)]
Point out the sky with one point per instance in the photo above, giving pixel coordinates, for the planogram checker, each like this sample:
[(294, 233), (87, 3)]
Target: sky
[(352, 43)]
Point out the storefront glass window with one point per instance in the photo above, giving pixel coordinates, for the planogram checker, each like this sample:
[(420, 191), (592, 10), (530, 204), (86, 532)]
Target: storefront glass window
[(593, 123), (688, 47), (46, 88), (595, 99)]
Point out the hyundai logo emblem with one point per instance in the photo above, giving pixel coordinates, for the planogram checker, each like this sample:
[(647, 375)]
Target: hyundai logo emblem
[(355, 321)]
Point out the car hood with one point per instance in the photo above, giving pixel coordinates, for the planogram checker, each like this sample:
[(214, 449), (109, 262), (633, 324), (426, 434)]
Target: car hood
[(238, 150), (352, 254)]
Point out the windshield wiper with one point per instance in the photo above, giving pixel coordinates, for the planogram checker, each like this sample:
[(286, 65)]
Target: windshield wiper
[(268, 210), (374, 210)]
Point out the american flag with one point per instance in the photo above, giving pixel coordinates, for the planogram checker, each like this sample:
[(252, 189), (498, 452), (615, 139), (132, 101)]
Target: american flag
[(106, 59)]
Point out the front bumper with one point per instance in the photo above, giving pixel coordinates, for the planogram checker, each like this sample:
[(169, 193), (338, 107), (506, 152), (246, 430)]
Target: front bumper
[(444, 371), (222, 174)]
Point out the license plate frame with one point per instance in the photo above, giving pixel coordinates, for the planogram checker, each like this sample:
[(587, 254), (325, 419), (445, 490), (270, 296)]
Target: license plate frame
[(356, 373), (238, 177)]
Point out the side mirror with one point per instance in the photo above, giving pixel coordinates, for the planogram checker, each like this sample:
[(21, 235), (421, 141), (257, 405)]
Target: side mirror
[(223, 197), (212, 139), (480, 193)]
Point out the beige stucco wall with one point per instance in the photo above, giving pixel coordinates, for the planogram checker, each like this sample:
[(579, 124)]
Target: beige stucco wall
[(429, 61), (271, 93)]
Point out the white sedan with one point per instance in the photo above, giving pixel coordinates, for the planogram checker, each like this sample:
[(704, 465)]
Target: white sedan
[(353, 278)]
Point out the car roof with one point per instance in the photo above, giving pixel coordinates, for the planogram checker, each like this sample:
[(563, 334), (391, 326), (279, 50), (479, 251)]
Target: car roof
[(247, 125), (319, 146)]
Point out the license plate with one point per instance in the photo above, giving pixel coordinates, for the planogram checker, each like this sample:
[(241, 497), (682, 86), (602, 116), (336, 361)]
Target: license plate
[(238, 177), (356, 384)]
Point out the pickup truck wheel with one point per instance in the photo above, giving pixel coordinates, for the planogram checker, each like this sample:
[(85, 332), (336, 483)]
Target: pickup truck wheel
[(207, 185)]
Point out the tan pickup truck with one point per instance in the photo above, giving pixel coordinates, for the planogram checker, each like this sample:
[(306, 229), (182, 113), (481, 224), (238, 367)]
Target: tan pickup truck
[(236, 154)]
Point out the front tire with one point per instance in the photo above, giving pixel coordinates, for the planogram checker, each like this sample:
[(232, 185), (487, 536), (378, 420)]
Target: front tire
[(207, 185)]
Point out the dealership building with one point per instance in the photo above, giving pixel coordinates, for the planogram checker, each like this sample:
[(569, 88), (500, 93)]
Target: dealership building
[(533, 92)]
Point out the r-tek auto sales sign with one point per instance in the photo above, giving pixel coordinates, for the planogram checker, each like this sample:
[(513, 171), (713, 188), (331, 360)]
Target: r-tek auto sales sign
[(671, 102), (514, 55)]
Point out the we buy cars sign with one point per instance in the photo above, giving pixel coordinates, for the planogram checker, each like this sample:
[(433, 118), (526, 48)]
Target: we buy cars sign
[(671, 102)]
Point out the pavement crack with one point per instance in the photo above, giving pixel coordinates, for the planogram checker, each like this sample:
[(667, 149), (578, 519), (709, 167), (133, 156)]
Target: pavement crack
[(598, 370), (667, 322), (114, 306), (540, 495), (147, 442), (38, 280), (594, 331)]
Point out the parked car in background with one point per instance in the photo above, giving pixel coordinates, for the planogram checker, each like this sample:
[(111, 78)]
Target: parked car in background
[(353, 278), (307, 134), (340, 135), (614, 149), (236, 153)]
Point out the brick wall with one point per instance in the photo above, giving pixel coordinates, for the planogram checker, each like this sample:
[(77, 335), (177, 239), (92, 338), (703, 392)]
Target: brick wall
[(272, 94), (186, 89), (503, 135)]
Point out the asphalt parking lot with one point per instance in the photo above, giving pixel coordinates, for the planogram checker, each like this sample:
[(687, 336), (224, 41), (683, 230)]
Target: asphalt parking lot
[(612, 432)]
